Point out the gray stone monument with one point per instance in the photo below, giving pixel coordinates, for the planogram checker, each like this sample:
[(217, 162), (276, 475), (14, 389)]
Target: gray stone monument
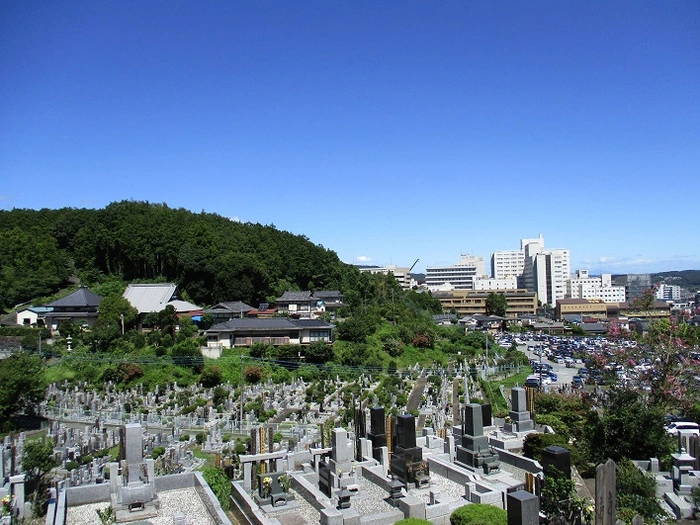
[(474, 449), (605, 493), (520, 420), (523, 508)]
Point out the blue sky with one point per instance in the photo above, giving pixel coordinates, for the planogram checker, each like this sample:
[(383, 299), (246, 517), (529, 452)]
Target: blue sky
[(386, 131)]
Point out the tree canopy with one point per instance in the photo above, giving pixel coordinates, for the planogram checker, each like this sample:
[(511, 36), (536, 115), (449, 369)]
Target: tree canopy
[(21, 385)]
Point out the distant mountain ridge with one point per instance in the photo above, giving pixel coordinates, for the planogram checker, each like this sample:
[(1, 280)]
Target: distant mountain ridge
[(689, 279)]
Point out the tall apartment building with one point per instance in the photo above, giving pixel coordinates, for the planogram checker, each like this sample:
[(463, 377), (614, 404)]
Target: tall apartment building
[(543, 271), (583, 286), (460, 276), (668, 292)]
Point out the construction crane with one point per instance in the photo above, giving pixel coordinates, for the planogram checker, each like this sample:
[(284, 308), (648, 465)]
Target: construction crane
[(411, 268)]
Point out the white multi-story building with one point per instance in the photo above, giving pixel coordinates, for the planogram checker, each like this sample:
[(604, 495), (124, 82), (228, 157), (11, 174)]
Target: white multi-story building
[(543, 271), (507, 263), (583, 286), (668, 292), (488, 284), (402, 275), (460, 276)]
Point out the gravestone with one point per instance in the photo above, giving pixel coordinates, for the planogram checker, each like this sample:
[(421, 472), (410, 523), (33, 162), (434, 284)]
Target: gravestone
[(559, 458), (377, 431), (407, 459), (605, 493), (523, 508), (520, 420), (474, 450)]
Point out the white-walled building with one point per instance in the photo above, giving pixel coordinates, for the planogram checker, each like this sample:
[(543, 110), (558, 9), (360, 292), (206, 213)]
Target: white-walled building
[(583, 286), (668, 292), (402, 275), (507, 263), (489, 284), (543, 271), (461, 275)]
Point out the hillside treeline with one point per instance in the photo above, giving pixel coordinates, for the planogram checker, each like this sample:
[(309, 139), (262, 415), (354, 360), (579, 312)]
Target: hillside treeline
[(210, 257)]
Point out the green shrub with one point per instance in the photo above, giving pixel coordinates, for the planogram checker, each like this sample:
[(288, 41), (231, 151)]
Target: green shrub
[(412, 521), (479, 514)]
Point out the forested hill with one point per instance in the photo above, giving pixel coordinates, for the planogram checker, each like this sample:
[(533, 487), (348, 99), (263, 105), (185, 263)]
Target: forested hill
[(210, 257)]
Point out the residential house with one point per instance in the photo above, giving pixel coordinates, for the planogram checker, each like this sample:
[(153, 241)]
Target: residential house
[(270, 331), (228, 310), (308, 305), (81, 307), (32, 315)]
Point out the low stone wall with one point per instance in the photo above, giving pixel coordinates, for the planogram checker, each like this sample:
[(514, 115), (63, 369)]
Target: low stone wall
[(211, 502), (309, 491), (521, 462), (248, 507), (87, 494)]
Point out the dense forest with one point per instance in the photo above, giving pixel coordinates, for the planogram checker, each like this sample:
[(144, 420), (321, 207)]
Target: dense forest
[(210, 257)]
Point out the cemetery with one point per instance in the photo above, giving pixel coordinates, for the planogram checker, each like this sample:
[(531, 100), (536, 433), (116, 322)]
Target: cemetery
[(304, 465)]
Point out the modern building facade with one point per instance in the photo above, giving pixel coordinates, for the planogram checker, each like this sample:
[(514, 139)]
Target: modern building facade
[(492, 284), (635, 284), (668, 292), (536, 268), (460, 276), (470, 302), (583, 286)]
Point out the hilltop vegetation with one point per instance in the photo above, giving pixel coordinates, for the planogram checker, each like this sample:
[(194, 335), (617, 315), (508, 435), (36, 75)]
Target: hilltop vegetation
[(210, 257)]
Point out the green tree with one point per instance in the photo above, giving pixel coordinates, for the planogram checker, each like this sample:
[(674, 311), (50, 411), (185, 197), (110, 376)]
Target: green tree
[(112, 308), (211, 376), (630, 428), (636, 494), (22, 386), (496, 304), (37, 462), (319, 352)]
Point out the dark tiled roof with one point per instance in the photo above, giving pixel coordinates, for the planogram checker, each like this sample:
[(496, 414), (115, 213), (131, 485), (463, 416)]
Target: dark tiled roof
[(230, 306), (253, 323), (270, 323), (328, 294), (294, 296), (80, 298), (311, 323)]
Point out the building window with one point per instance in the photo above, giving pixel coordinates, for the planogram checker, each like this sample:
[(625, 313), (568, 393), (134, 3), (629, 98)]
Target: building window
[(319, 335)]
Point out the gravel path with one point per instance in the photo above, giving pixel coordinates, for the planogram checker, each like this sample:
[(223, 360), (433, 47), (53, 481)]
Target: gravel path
[(186, 501)]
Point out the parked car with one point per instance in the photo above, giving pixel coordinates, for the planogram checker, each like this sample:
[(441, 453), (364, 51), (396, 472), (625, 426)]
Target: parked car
[(533, 382), (686, 427), (552, 376), (577, 381)]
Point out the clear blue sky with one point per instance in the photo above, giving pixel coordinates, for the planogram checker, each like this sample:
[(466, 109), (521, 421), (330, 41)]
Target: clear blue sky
[(386, 131)]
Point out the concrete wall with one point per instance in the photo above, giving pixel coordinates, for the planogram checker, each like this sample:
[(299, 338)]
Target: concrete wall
[(100, 493), (87, 494), (521, 462), (248, 507)]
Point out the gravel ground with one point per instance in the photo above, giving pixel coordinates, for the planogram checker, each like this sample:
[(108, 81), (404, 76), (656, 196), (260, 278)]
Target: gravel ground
[(186, 501)]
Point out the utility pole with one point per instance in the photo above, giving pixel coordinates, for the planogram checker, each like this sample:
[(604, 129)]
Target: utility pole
[(240, 424)]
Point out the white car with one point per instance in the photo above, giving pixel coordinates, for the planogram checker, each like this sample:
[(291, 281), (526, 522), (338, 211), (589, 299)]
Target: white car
[(685, 427)]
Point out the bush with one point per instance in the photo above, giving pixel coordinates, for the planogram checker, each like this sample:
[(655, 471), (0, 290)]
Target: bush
[(479, 514), (412, 521), (157, 452)]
